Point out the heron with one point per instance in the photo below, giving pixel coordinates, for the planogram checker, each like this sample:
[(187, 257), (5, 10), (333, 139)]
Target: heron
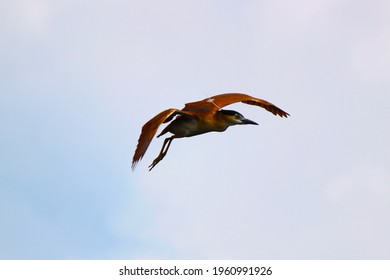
[(197, 118)]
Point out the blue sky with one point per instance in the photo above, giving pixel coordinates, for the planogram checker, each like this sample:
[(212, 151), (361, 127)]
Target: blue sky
[(80, 78)]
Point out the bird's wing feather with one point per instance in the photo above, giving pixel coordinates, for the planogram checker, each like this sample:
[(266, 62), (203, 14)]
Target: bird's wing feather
[(217, 102), (149, 130)]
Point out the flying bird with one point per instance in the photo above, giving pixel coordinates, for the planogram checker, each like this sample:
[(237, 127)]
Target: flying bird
[(197, 118)]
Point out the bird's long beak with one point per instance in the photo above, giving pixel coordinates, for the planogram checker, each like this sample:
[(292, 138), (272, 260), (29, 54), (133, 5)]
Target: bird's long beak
[(246, 121)]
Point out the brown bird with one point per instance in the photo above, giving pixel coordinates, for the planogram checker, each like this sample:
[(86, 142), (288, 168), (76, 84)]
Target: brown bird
[(197, 118)]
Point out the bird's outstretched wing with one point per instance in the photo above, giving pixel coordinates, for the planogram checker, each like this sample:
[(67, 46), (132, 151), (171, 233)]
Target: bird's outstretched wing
[(214, 103), (149, 130)]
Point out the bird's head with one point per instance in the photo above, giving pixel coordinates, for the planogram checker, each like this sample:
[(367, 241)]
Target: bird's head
[(233, 117)]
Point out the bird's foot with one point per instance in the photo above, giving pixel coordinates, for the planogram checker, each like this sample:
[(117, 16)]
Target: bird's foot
[(154, 163), (162, 153)]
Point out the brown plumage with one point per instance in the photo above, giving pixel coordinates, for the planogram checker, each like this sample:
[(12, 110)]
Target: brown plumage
[(197, 118)]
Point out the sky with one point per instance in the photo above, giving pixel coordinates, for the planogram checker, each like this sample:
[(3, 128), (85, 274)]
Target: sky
[(80, 78)]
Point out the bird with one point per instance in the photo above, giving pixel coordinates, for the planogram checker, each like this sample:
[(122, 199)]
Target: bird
[(197, 118)]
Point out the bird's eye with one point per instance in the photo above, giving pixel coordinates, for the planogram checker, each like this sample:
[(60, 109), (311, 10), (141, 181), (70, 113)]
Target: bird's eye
[(237, 116)]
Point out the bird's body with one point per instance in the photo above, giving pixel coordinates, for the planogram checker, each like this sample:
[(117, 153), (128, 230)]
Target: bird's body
[(197, 118), (184, 126)]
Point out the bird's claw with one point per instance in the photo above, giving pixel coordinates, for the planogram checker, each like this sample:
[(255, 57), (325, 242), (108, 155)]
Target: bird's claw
[(154, 163)]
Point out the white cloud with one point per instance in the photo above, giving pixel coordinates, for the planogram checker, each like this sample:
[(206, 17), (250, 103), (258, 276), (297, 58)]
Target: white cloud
[(365, 185), (32, 17)]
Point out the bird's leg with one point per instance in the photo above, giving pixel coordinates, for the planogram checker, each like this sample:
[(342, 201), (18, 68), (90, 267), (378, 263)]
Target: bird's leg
[(162, 153)]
